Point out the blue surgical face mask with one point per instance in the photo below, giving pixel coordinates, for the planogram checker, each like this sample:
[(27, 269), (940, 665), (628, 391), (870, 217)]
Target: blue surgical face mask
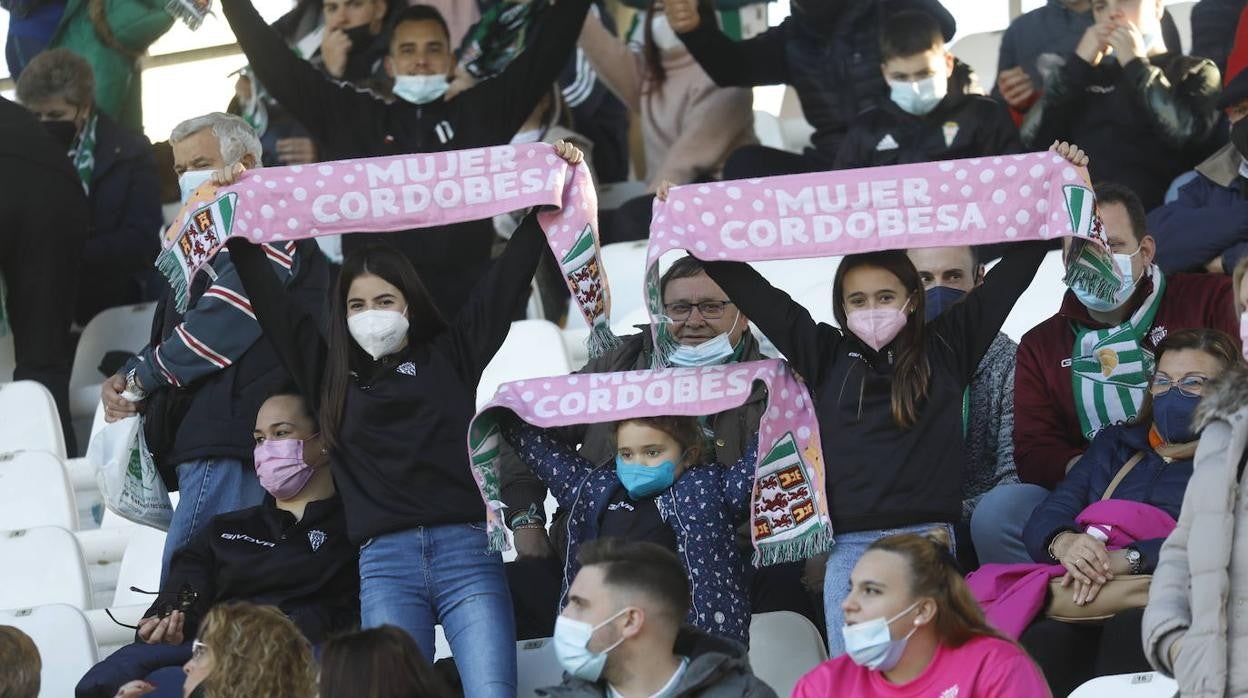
[(919, 97), (571, 641), (420, 89), (1092, 302), (871, 644), (190, 181), (939, 299), (712, 352), (1172, 415), (643, 481)]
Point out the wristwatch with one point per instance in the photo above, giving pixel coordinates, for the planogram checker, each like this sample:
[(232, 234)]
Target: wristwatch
[(134, 391), (1135, 559)]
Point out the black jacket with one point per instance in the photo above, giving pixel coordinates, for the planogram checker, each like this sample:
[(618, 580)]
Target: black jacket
[(1141, 125), (961, 126), (125, 221), (878, 475), (350, 123), (214, 417), (834, 67), (308, 569), (402, 459)]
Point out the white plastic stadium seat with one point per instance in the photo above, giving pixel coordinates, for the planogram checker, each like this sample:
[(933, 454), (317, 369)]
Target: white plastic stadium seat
[(1041, 299), (125, 328), (34, 491), (42, 565), (66, 645), (1181, 13), (767, 129), (784, 646), (981, 52), (533, 348), (1147, 685), (140, 566), (537, 666), (29, 420)]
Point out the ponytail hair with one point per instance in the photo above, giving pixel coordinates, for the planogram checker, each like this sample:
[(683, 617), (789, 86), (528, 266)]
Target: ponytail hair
[(934, 574)]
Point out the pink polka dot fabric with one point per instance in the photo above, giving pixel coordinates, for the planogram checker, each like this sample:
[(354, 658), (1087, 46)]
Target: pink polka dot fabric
[(790, 512), (389, 194)]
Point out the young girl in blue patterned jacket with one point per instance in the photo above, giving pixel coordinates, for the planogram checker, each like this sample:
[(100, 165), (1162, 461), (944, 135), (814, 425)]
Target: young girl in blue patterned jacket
[(657, 489)]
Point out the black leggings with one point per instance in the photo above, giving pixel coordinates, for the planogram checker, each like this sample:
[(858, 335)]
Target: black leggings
[(1071, 654)]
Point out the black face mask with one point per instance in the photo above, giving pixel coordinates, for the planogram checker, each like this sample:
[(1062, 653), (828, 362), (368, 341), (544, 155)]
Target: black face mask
[(63, 132), (361, 38), (1239, 137)]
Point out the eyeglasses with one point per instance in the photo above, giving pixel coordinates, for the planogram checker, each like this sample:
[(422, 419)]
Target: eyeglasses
[(198, 650), (710, 310), (1191, 386)]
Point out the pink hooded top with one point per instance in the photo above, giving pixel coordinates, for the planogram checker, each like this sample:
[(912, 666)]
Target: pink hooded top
[(984, 667)]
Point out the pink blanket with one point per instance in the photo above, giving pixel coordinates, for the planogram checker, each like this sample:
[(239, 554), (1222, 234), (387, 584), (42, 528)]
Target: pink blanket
[(1013, 595)]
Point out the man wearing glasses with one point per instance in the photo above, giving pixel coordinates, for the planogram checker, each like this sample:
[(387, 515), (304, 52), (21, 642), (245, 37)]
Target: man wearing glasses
[(711, 330)]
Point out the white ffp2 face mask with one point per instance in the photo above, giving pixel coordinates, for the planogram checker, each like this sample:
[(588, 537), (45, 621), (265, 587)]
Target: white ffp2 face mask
[(378, 332), (664, 36)]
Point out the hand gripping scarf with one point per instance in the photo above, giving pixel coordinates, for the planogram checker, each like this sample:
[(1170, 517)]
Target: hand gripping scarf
[(1010, 198), (404, 192), (789, 507)]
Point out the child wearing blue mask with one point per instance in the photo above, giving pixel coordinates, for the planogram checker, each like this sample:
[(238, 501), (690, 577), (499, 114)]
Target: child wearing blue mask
[(932, 112), (657, 489)]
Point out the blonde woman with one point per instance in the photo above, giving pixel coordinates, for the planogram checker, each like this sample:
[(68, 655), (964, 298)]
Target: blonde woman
[(246, 651)]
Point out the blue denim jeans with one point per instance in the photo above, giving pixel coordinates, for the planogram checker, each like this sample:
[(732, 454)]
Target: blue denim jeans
[(430, 575), (842, 557), (999, 519), (207, 487)]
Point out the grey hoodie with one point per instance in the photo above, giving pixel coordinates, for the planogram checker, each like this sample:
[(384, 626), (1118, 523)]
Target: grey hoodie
[(718, 668)]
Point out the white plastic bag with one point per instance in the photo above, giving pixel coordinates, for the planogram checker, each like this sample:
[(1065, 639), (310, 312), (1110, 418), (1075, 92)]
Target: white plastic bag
[(127, 476)]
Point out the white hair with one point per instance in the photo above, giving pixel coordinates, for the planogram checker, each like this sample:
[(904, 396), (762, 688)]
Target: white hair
[(235, 136)]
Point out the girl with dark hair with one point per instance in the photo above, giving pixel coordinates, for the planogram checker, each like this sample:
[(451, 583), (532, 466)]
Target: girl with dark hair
[(912, 628), (378, 663), (658, 488), (396, 384), (887, 388), (1150, 461)]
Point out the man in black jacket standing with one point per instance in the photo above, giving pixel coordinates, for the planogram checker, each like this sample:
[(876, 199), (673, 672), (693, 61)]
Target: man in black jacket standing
[(828, 50), (43, 224), (350, 123)]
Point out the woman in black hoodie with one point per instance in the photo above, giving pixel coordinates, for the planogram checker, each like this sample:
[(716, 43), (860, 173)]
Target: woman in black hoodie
[(396, 387), (887, 392)]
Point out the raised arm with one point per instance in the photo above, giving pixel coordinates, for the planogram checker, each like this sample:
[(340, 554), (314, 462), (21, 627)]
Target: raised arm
[(805, 343), (294, 333), (555, 462), (1183, 112), (739, 483), (329, 110), (621, 69), (509, 98), (756, 61)]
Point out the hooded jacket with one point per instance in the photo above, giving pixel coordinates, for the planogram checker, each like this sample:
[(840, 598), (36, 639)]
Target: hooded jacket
[(881, 476), (705, 535), (1208, 221), (1165, 106), (718, 668), (1200, 587), (831, 58), (1046, 427), (963, 125)]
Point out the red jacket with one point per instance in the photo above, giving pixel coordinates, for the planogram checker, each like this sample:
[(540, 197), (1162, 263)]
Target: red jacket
[(1046, 427)]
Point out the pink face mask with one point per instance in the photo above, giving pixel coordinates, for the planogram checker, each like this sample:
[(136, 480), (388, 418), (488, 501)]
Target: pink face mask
[(280, 467), (877, 327)]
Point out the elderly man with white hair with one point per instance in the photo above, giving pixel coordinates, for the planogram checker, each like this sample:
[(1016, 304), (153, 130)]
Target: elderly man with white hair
[(203, 376)]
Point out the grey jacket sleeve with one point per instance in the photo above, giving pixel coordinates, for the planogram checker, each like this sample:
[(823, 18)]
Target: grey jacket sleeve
[(991, 452)]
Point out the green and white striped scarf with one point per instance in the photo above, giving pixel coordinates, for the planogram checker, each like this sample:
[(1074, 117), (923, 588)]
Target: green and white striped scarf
[(1110, 368), (83, 152)]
